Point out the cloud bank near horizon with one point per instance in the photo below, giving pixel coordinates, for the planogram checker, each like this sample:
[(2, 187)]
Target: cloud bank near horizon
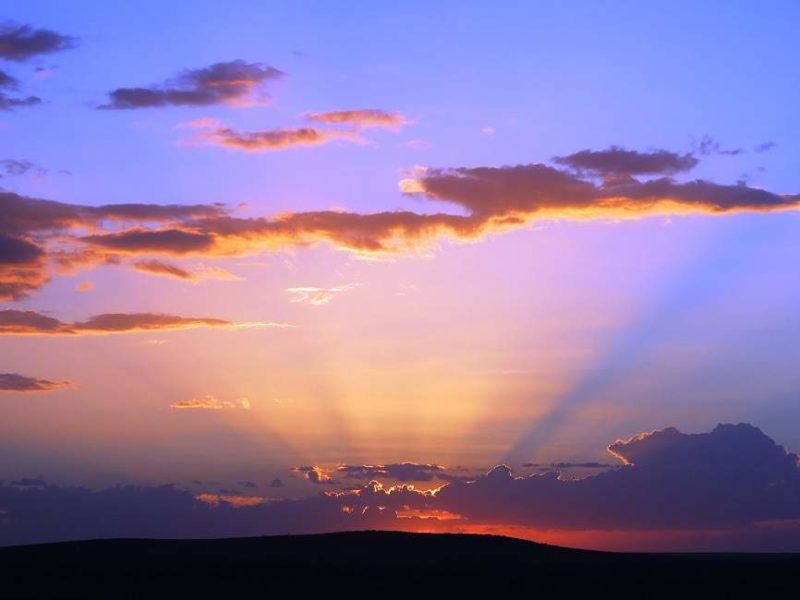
[(732, 481)]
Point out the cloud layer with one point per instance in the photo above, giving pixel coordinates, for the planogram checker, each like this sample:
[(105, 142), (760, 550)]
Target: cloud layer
[(732, 481), (38, 236)]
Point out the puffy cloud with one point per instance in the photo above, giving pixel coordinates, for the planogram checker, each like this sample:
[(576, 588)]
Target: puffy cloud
[(734, 476), (28, 322), (317, 296), (21, 42), (14, 382), (397, 472), (619, 161), (315, 474), (234, 83), (361, 118), (210, 403)]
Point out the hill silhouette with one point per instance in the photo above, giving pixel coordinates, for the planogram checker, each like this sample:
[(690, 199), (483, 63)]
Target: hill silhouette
[(375, 563)]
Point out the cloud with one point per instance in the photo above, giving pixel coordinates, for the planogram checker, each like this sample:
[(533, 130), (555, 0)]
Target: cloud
[(210, 403), (9, 102), (85, 286), (508, 197), (707, 145), (397, 472), (572, 465), (764, 147), (733, 482), (28, 322), (619, 161), (21, 42), (277, 483), (14, 382), (271, 139), (168, 241), (315, 475), (317, 296), (14, 168), (157, 267), (235, 83), (361, 119), (731, 477), (38, 237)]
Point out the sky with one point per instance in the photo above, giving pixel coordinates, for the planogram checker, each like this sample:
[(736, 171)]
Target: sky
[(254, 260)]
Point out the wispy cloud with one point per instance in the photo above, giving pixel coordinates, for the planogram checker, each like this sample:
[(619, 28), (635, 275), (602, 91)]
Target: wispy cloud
[(317, 296), (18, 322), (14, 382), (211, 403), (361, 118)]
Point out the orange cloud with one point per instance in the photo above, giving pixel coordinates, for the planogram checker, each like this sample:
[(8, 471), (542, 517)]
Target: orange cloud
[(210, 403), (272, 139), (361, 118), (37, 235)]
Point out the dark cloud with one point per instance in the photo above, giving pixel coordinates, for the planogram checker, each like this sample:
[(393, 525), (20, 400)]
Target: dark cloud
[(732, 477), (734, 481), (708, 145), (14, 382), (8, 98), (248, 484), (29, 482), (572, 465), (14, 167), (511, 196), (28, 224), (21, 42), (619, 161), (236, 83), (27, 322), (397, 472), (277, 483), (168, 241)]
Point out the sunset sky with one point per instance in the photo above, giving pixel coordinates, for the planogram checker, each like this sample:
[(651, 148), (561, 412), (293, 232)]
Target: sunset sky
[(269, 253)]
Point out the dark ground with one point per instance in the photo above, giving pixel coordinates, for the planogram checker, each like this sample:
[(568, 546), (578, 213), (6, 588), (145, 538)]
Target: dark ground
[(379, 564)]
